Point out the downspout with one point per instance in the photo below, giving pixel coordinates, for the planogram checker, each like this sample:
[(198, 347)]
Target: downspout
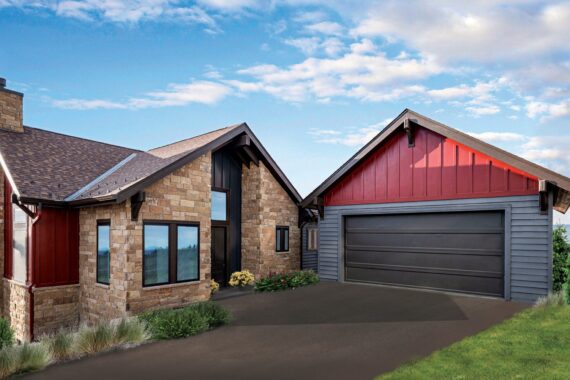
[(32, 284)]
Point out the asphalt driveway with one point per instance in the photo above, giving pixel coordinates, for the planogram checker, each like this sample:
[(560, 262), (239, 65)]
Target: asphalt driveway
[(327, 331)]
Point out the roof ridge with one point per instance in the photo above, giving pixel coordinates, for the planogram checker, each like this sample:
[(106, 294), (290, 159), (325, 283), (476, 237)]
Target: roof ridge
[(193, 137), (83, 138)]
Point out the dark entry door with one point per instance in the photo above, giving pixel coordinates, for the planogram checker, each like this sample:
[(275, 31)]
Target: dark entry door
[(219, 255), (461, 251)]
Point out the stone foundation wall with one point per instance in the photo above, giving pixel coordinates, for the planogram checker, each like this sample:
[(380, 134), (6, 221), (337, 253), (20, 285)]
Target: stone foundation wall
[(54, 308), (266, 205), (17, 308)]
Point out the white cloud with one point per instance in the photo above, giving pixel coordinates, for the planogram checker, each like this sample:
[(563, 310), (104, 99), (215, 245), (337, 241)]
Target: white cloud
[(308, 45), (326, 27), (499, 136), (353, 138), (547, 111), (483, 110), (483, 31), (202, 92), (551, 151)]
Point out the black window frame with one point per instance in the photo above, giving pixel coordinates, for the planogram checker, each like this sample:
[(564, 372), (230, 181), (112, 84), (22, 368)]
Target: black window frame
[(221, 221), (102, 222), (172, 250), (280, 236)]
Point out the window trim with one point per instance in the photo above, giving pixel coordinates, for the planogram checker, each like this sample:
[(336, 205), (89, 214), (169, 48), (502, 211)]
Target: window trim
[(281, 237), (315, 247), (172, 250), (102, 222)]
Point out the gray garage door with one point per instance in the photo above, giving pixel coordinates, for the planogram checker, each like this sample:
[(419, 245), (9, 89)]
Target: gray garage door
[(461, 252)]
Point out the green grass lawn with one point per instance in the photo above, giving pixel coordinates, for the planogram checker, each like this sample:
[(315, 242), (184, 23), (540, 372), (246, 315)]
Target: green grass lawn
[(533, 344)]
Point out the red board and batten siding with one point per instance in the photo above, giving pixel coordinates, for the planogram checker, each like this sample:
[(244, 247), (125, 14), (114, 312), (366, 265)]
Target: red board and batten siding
[(436, 168), (53, 244)]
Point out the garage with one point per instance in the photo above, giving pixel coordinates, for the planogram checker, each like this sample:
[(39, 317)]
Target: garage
[(427, 206), (462, 251)]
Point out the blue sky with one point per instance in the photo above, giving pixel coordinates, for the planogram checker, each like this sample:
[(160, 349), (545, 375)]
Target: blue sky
[(314, 79)]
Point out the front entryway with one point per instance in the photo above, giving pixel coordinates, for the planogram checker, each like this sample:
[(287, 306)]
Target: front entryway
[(455, 251)]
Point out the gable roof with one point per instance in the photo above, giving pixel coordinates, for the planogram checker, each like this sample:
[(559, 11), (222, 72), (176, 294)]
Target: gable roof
[(560, 182), (51, 168)]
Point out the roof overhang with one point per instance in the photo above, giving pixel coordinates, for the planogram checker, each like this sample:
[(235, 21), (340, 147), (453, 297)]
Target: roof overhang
[(560, 183)]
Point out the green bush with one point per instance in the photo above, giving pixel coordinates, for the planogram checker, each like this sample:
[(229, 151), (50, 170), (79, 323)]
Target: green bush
[(91, 340), (184, 322), (61, 345), (560, 259), (131, 331), (276, 281), (8, 363), (6, 333), (31, 357)]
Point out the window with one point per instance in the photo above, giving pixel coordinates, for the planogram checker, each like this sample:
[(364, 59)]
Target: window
[(171, 253), (103, 251), (219, 205), (282, 239), (19, 244), (312, 236)]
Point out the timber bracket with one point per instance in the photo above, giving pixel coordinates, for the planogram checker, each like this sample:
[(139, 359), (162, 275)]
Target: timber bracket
[(137, 201)]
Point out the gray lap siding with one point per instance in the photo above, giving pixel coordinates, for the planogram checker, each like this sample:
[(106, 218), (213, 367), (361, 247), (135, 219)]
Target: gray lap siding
[(528, 243)]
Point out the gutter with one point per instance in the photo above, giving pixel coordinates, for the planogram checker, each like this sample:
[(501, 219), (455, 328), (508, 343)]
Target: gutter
[(32, 284)]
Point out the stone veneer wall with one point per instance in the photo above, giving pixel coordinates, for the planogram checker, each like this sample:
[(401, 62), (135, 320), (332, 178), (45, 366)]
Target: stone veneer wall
[(1, 237), (54, 308), (265, 205), (11, 111), (181, 196), (17, 308)]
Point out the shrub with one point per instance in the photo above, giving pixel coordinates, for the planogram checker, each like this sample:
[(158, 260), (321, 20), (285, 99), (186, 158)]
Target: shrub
[(8, 364), (184, 322), (552, 299), (131, 331), (91, 340), (6, 333), (242, 278), (31, 357), (560, 259), (276, 281), (61, 345)]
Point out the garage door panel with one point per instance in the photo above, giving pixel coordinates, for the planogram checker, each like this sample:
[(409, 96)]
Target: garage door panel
[(460, 283), (435, 260), (449, 221), (453, 251), (427, 240)]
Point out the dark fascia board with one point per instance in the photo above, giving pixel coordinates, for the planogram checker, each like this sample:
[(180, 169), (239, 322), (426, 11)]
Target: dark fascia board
[(563, 183), (213, 145)]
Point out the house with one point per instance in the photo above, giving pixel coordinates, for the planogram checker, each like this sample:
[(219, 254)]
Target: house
[(92, 231), (424, 205)]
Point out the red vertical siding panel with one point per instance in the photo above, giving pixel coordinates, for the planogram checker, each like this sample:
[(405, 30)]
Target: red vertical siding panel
[(516, 181), (464, 171), (406, 169), (449, 172), (498, 178), (434, 161), (358, 185), (420, 158), (369, 179), (393, 156), (381, 190), (481, 174)]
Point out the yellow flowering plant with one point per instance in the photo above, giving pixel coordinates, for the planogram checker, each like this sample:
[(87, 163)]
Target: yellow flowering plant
[(214, 286), (242, 278)]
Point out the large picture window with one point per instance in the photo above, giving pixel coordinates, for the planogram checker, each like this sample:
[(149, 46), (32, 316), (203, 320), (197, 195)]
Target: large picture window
[(282, 239), (103, 252), (171, 253), (19, 245)]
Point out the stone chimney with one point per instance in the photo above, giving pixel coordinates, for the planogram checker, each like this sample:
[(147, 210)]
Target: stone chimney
[(11, 105)]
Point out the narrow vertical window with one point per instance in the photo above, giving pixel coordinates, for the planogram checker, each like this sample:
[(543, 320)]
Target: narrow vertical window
[(103, 252), (219, 205), (156, 254), (312, 239), (187, 253), (282, 239), (19, 244)]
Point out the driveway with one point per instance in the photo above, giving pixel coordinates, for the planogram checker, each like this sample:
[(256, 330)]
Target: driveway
[(327, 331)]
